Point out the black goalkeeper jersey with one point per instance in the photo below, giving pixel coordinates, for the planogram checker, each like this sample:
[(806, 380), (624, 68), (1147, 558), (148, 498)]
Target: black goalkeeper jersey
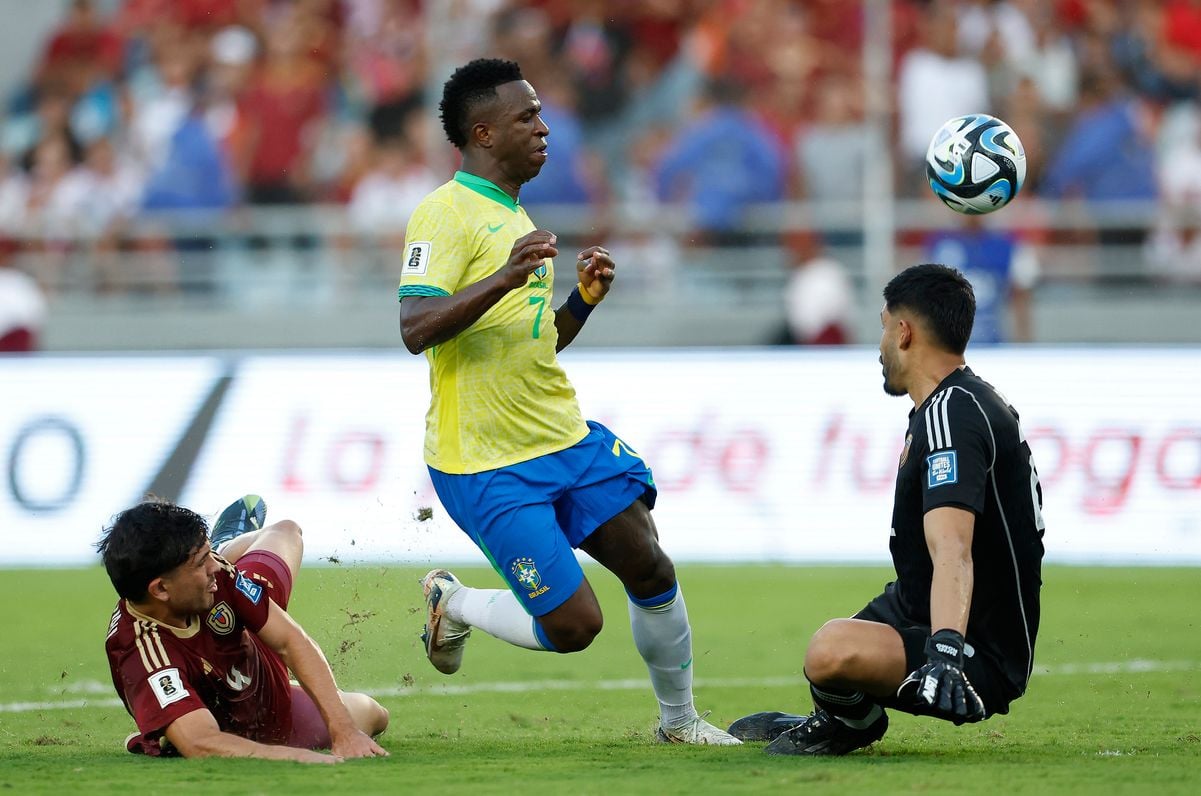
[(964, 448)]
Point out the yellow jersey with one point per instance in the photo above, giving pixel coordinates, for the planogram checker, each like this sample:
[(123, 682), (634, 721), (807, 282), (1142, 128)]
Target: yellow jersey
[(499, 396)]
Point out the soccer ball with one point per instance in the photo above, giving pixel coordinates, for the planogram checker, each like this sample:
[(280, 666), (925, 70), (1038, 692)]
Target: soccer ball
[(975, 164)]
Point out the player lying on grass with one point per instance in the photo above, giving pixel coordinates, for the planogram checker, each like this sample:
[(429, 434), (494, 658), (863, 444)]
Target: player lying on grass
[(953, 636), (201, 644), (510, 455)]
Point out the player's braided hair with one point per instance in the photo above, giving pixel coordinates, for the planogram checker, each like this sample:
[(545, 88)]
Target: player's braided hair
[(148, 541), (942, 296), (469, 86)]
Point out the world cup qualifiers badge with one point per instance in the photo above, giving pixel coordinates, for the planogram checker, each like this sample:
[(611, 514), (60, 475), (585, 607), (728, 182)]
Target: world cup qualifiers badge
[(527, 575)]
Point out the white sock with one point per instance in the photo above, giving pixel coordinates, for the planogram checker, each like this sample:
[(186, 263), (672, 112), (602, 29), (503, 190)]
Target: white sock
[(496, 612), (664, 639)]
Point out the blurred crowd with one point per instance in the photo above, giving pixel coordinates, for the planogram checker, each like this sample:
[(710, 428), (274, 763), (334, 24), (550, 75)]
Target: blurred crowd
[(139, 109)]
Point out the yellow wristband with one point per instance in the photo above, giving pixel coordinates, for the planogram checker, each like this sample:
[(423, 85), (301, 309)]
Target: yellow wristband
[(587, 296)]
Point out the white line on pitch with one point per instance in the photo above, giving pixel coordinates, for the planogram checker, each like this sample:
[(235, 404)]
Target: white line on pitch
[(1135, 666)]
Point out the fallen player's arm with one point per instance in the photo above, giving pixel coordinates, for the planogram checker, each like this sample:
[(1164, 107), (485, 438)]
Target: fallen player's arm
[(949, 532), (197, 734), (305, 660)]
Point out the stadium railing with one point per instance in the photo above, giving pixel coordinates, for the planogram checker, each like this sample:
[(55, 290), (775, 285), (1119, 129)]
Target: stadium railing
[(270, 262)]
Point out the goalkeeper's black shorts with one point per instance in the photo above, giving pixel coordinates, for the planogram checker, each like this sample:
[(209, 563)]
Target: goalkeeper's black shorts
[(982, 667)]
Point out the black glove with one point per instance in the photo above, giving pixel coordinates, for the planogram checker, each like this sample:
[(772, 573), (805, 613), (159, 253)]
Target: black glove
[(940, 688)]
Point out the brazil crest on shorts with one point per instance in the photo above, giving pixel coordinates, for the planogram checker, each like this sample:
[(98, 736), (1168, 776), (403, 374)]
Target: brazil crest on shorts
[(527, 575)]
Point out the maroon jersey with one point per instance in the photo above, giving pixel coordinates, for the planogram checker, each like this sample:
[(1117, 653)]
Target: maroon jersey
[(216, 663)]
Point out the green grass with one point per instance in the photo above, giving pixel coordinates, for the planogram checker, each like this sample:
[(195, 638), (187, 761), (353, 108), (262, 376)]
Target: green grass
[(578, 728)]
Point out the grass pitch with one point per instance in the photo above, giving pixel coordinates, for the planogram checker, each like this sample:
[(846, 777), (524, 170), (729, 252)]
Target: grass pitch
[(1115, 705)]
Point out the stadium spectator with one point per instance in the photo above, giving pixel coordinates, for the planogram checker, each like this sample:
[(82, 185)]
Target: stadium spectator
[(819, 300), (1003, 271), (832, 151), (385, 49), (80, 53), (22, 304), (1144, 51), (508, 450), (1051, 63), (934, 83), (1107, 152), (1174, 247), (386, 196), (284, 105), (1107, 159), (193, 173), (719, 164), (49, 118), (232, 53), (953, 636), (200, 645), (55, 194), (112, 188)]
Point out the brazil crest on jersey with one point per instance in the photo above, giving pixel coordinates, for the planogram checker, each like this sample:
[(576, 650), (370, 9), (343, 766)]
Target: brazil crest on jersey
[(499, 396)]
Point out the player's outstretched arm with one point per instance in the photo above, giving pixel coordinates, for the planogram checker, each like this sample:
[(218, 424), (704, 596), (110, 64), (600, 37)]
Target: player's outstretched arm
[(197, 734), (595, 270), (427, 321), (306, 661)]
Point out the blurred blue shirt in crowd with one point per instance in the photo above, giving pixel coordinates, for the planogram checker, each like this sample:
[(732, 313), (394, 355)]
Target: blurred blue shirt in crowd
[(718, 164)]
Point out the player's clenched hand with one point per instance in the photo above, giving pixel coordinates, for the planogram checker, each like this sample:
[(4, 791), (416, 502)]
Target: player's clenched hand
[(529, 252), (595, 268), (357, 744), (940, 688)]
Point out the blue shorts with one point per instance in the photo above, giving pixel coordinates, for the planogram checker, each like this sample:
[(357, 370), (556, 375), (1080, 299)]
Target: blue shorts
[(528, 517)]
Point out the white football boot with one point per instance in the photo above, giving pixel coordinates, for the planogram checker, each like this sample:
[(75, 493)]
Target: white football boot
[(696, 731), (444, 638)]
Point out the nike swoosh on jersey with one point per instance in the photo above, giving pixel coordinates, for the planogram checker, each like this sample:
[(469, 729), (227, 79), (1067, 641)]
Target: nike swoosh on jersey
[(495, 227)]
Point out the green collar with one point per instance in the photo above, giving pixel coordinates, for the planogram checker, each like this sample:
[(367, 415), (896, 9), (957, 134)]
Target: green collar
[(485, 188)]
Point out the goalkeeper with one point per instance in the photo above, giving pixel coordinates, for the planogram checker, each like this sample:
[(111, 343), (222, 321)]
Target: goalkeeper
[(953, 636)]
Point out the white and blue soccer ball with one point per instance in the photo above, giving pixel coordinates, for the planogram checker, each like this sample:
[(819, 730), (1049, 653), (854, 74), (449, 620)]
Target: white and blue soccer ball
[(976, 164)]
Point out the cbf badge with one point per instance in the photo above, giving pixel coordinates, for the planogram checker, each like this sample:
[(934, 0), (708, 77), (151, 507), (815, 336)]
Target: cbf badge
[(527, 575), (221, 619)]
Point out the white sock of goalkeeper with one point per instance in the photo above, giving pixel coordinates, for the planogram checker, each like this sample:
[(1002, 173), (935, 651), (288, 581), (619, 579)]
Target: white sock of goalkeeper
[(664, 640), (853, 708), (498, 613)]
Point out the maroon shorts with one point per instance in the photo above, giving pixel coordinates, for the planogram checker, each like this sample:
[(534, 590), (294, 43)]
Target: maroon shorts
[(308, 728)]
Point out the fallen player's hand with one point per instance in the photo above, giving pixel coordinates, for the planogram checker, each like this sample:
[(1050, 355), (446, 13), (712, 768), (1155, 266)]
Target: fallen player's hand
[(940, 688), (357, 744)]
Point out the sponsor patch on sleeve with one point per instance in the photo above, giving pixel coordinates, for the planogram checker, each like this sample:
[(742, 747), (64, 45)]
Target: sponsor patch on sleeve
[(167, 687), (252, 590), (417, 259), (943, 469)]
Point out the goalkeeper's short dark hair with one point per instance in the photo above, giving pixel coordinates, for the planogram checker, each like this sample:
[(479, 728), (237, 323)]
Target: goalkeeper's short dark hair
[(940, 295), (470, 86)]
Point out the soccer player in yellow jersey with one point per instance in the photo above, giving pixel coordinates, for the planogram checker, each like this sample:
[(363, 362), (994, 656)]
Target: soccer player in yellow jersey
[(510, 455)]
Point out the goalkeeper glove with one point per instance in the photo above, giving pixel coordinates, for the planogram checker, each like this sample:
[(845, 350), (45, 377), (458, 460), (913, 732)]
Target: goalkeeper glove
[(940, 688)]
